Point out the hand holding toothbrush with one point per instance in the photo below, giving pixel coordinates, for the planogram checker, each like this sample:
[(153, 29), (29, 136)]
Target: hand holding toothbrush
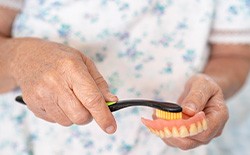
[(59, 84)]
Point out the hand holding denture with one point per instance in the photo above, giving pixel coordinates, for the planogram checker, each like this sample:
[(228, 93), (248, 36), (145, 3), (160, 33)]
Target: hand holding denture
[(204, 115)]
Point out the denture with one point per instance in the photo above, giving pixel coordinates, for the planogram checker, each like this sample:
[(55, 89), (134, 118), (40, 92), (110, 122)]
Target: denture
[(187, 126)]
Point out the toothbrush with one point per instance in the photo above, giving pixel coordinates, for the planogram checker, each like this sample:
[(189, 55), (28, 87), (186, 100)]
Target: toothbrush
[(164, 110)]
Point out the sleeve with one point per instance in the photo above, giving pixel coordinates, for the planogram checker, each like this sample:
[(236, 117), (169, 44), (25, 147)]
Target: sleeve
[(12, 4), (231, 24)]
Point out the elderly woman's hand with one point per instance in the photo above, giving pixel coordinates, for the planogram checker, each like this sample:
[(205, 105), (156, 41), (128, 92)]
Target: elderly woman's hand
[(202, 93), (60, 84)]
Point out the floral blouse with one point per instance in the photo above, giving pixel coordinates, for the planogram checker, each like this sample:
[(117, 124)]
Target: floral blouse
[(144, 49)]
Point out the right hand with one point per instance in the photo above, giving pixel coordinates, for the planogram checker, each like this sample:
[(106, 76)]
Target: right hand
[(59, 84)]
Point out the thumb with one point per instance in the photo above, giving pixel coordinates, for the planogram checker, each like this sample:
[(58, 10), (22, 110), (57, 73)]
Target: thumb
[(194, 100), (190, 107), (197, 93), (100, 81)]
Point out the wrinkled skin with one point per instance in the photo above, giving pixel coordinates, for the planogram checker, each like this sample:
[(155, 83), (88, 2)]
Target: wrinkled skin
[(202, 93), (60, 84)]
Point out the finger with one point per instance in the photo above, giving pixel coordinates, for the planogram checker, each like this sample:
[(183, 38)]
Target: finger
[(73, 108), (56, 113), (182, 143), (215, 109), (36, 107), (99, 80), (200, 91), (43, 115), (184, 94), (44, 93), (86, 90), (40, 113)]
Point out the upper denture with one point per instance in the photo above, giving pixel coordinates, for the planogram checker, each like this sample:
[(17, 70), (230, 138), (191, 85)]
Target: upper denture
[(178, 128)]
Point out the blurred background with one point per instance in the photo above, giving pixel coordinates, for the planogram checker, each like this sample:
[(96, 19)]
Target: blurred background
[(235, 139)]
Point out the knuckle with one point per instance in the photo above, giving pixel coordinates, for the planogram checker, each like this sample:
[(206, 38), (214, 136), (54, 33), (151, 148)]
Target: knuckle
[(208, 81), (197, 96), (48, 79), (203, 78), (93, 102), (40, 92), (101, 82), (68, 63)]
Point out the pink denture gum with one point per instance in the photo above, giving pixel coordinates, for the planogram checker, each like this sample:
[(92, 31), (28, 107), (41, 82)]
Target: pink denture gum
[(177, 128)]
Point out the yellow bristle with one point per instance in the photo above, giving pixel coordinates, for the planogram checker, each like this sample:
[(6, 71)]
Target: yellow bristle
[(168, 115)]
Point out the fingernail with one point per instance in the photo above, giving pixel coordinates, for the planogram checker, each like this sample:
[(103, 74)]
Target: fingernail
[(190, 107), (110, 129), (112, 96)]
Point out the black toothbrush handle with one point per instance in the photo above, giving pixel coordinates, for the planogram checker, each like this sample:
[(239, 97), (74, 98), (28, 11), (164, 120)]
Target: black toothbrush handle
[(20, 100), (165, 106)]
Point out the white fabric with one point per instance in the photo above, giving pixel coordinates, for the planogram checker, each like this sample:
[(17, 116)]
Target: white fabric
[(144, 49), (231, 24), (233, 37), (13, 4)]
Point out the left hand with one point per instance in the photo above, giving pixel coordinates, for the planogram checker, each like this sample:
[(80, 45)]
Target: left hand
[(202, 93)]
